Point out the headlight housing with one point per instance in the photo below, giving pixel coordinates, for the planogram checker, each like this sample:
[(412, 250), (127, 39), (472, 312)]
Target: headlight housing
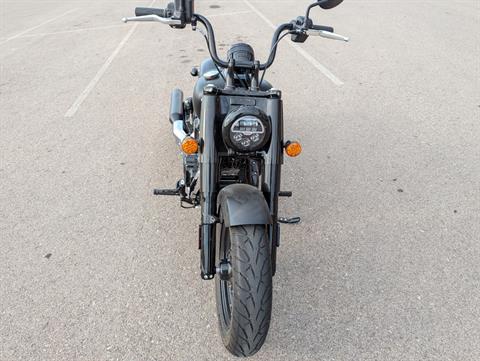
[(246, 129)]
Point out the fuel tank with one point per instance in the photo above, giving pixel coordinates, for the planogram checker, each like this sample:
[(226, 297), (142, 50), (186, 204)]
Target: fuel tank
[(208, 74)]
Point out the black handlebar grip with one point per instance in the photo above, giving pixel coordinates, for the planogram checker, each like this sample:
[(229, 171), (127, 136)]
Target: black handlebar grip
[(324, 28), (150, 11)]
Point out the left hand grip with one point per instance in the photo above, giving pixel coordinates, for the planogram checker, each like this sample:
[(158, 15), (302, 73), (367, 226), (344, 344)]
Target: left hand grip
[(150, 11)]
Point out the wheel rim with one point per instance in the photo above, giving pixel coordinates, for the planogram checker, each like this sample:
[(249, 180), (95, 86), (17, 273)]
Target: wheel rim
[(226, 286)]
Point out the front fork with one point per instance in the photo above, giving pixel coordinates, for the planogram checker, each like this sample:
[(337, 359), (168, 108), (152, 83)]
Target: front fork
[(209, 178)]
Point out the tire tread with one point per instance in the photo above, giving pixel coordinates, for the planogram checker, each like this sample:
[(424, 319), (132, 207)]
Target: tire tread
[(252, 282)]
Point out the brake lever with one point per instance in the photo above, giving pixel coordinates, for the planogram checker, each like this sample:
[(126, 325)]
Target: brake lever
[(156, 18), (327, 35)]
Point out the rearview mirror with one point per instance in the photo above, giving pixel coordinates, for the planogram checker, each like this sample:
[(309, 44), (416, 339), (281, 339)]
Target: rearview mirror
[(329, 4)]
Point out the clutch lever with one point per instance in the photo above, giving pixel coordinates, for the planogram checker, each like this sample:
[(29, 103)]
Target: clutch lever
[(327, 35), (167, 21)]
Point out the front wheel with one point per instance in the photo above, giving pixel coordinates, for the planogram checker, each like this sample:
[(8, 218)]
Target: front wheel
[(244, 289)]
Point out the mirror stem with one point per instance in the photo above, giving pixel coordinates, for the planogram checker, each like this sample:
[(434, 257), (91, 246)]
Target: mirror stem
[(318, 3)]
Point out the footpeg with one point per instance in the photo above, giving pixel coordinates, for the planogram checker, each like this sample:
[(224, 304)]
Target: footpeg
[(285, 194), (166, 192), (293, 220)]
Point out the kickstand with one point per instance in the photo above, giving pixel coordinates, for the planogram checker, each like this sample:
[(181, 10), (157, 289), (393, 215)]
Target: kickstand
[(293, 220)]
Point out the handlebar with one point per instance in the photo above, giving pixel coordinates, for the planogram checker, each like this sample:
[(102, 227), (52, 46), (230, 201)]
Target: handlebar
[(165, 16), (168, 16), (275, 40), (212, 47)]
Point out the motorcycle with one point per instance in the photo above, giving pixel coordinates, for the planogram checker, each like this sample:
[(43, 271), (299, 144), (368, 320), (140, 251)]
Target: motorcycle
[(231, 136)]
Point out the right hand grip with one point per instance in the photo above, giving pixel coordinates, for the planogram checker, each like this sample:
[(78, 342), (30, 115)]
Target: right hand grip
[(150, 11), (323, 28)]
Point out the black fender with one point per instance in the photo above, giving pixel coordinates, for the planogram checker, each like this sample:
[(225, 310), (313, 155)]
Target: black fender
[(243, 204)]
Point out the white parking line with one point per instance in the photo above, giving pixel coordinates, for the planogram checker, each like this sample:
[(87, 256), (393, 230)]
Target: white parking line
[(36, 27), (86, 92), (72, 31), (300, 50), (111, 26), (228, 14), (73, 109)]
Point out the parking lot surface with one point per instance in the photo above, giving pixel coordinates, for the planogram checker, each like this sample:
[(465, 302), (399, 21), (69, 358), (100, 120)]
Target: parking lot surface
[(385, 264)]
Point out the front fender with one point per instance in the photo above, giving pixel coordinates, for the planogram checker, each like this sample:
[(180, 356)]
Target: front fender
[(243, 204)]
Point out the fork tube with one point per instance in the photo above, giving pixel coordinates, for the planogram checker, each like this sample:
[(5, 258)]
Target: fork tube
[(208, 183), (273, 166)]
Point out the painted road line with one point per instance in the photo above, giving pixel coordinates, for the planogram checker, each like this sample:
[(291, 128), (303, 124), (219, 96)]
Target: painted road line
[(228, 14), (36, 27), (322, 68), (72, 31), (86, 92)]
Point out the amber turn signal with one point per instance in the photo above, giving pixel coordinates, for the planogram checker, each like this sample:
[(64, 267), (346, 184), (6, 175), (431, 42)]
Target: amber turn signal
[(189, 146), (293, 149)]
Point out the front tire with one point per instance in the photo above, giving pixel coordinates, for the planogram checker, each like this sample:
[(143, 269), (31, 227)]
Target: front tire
[(244, 300)]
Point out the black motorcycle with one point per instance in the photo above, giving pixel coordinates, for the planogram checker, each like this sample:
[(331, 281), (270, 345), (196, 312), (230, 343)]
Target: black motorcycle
[(231, 136)]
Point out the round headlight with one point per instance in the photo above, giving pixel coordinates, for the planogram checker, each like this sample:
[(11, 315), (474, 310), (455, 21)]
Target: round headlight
[(247, 129)]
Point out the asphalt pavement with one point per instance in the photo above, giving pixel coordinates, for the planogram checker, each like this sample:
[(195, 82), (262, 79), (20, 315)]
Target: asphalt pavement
[(386, 262)]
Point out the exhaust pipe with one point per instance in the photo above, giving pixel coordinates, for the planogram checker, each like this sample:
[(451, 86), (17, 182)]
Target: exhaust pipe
[(177, 117)]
